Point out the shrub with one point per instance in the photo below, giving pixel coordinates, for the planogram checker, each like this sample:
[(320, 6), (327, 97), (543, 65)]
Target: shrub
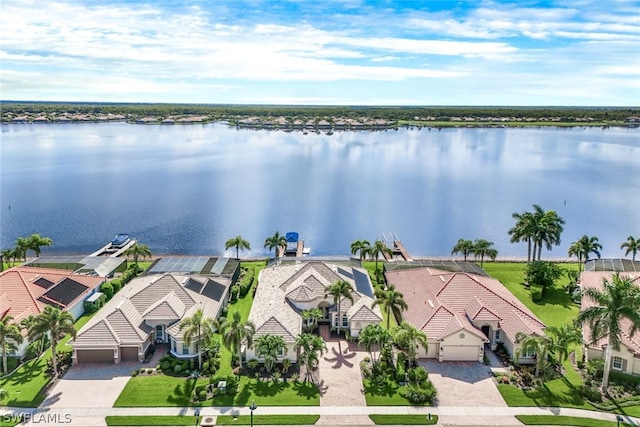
[(107, 289), (423, 394), (367, 359), (177, 368), (295, 377), (202, 395), (592, 394), (286, 364), (252, 364), (116, 284), (186, 372), (400, 373)]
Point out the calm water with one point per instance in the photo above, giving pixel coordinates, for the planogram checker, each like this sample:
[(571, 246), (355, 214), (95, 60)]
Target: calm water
[(187, 189)]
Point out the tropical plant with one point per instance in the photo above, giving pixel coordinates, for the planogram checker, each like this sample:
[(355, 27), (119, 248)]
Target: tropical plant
[(313, 314), (239, 243), (22, 246), (10, 337), (362, 247), (268, 347), (235, 331), (618, 299), (5, 256), (550, 228), (57, 324), (199, 328), (583, 247), (378, 249), (25, 324), (36, 241), (340, 290), (373, 338), (407, 338), (391, 301), (4, 394), (137, 251), (537, 228), (537, 346), (311, 347), (562, 337), (275, 242), (542, 273), (484, 248), (524, 231), (632, 245), (464, 247)]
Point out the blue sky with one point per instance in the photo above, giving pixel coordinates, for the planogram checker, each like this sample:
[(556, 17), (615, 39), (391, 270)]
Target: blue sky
[(350, 52)]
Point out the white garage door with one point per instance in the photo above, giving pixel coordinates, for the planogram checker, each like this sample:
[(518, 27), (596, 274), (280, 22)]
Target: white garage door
[(460, 353)]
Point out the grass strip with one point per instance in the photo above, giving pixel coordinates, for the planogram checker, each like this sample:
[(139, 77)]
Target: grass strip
[(404, 419), (151, 420), (277, 420), (561, 420)]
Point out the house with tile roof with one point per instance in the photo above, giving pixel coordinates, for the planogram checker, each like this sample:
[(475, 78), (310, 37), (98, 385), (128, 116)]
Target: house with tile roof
[(25, 291), (285, 290), (149, 310), (627, 359), (462, 312)]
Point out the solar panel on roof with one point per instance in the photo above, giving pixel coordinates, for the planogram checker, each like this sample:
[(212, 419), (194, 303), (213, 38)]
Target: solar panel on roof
[(44, 283), (362, 283), (219, 265), (213, 290), (179, 265), (65, 291)]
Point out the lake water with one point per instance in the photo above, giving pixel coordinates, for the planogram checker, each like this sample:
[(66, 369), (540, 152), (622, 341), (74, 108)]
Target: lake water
[(187, 189)]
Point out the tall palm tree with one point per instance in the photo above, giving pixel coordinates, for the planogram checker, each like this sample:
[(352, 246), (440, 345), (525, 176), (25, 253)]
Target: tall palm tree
[(268, 347), (57, 324), (275, 242), (464, 247), (5, 256), (9, 336), (539, 345), (36, 241), (562, 337), (583, 247), (339, 290), (378, 249), (239, 243), (524, 230), (138, 251), (391, 301), (484, 248), (25, 324), (311, 347), (408, 338), (618, 299), (361, 246), (373, 337), (632, 245), (199, 328), (235, 331), (22, 246), (576, 250), (550, 228)]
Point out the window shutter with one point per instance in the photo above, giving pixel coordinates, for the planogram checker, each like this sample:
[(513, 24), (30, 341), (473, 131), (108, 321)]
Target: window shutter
[(624, 365)]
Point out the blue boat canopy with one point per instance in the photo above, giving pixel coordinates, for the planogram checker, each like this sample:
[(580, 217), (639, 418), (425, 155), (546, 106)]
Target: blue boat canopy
[(292, 236)]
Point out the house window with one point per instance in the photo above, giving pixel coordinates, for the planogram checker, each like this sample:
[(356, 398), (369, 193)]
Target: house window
[(185, 349), (280, 352), (159, 331), (529, 352), (498, 335), (616, 363), (173, 345), (345, 321)]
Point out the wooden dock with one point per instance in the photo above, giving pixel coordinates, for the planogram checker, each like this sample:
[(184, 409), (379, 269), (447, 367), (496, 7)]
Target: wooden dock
[(105, 251), (398, 251), (282, 252)]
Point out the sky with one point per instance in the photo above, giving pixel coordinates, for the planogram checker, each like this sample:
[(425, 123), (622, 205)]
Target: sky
[(331, 52)]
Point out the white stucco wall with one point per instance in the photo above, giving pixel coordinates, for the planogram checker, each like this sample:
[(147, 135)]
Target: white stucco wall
[(289, 353)]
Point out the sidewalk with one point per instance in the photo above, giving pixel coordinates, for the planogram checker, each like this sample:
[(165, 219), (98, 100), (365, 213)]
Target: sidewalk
[(447, 414)]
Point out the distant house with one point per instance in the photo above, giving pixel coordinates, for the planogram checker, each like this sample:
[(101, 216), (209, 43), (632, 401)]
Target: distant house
[(627, 359), (149, 310), (285, 290), (461, 312), (25, 291)]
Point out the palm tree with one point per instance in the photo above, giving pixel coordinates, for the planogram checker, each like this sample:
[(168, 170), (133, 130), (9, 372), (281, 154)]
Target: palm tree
[(576, 250), (524, 231), (137, 251), (275, 242), (632, 245), (619, 299), (311, 348), (536, 344), (22, 246), (313, 314), (408, 338), (378, 249), (373, 337), (235, 331), (361, 246), (464, 247), (339, 290), (199, 327), (562, 337), (584, 247), (268, 347), (57, 324), (25, 324), (239, 243), (36, 241), (19, 252), (5, 256), (484, 248), (9, 336), (550, 227), (392, 301)]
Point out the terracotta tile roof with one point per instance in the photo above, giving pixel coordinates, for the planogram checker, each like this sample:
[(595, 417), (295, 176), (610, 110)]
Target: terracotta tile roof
[(21, 296), (441, 301), (594, 279)]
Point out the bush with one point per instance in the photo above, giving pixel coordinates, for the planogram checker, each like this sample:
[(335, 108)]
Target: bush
[(202, 395), (177, 368), (592, 394), (400, 372), (423, 394), (252, 364), (116, 284), (107, 289)]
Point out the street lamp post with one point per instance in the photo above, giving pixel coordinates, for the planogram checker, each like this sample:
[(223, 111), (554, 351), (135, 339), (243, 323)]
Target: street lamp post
[(196, 412), (619, 418), (253, 407)]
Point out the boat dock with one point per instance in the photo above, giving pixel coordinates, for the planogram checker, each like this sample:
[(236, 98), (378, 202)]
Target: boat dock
[(399, 253), (295, 247), (106, 250)]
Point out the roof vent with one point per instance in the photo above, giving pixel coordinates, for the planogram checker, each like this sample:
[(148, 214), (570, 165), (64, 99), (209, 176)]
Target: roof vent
[(430, 303)]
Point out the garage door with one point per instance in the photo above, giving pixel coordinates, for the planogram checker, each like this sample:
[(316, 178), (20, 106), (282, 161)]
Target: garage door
[(129, 354), (95, 356), (460, 353)]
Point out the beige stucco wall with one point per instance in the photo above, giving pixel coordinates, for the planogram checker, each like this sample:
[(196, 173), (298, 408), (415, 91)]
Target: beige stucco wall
[(289, 353), (633, 363)]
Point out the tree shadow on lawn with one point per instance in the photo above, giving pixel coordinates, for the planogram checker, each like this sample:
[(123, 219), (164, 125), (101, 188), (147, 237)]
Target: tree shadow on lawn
[(389, 389), (556, 296), (182, 393), (556, 395)]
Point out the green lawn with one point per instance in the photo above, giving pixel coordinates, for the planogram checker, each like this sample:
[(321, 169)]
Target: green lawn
[(370, 266), (151, 420), (161, 390), (8, 421), (277, 420), (560, 420), (25, 384), (406, 419), (389, 395)]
